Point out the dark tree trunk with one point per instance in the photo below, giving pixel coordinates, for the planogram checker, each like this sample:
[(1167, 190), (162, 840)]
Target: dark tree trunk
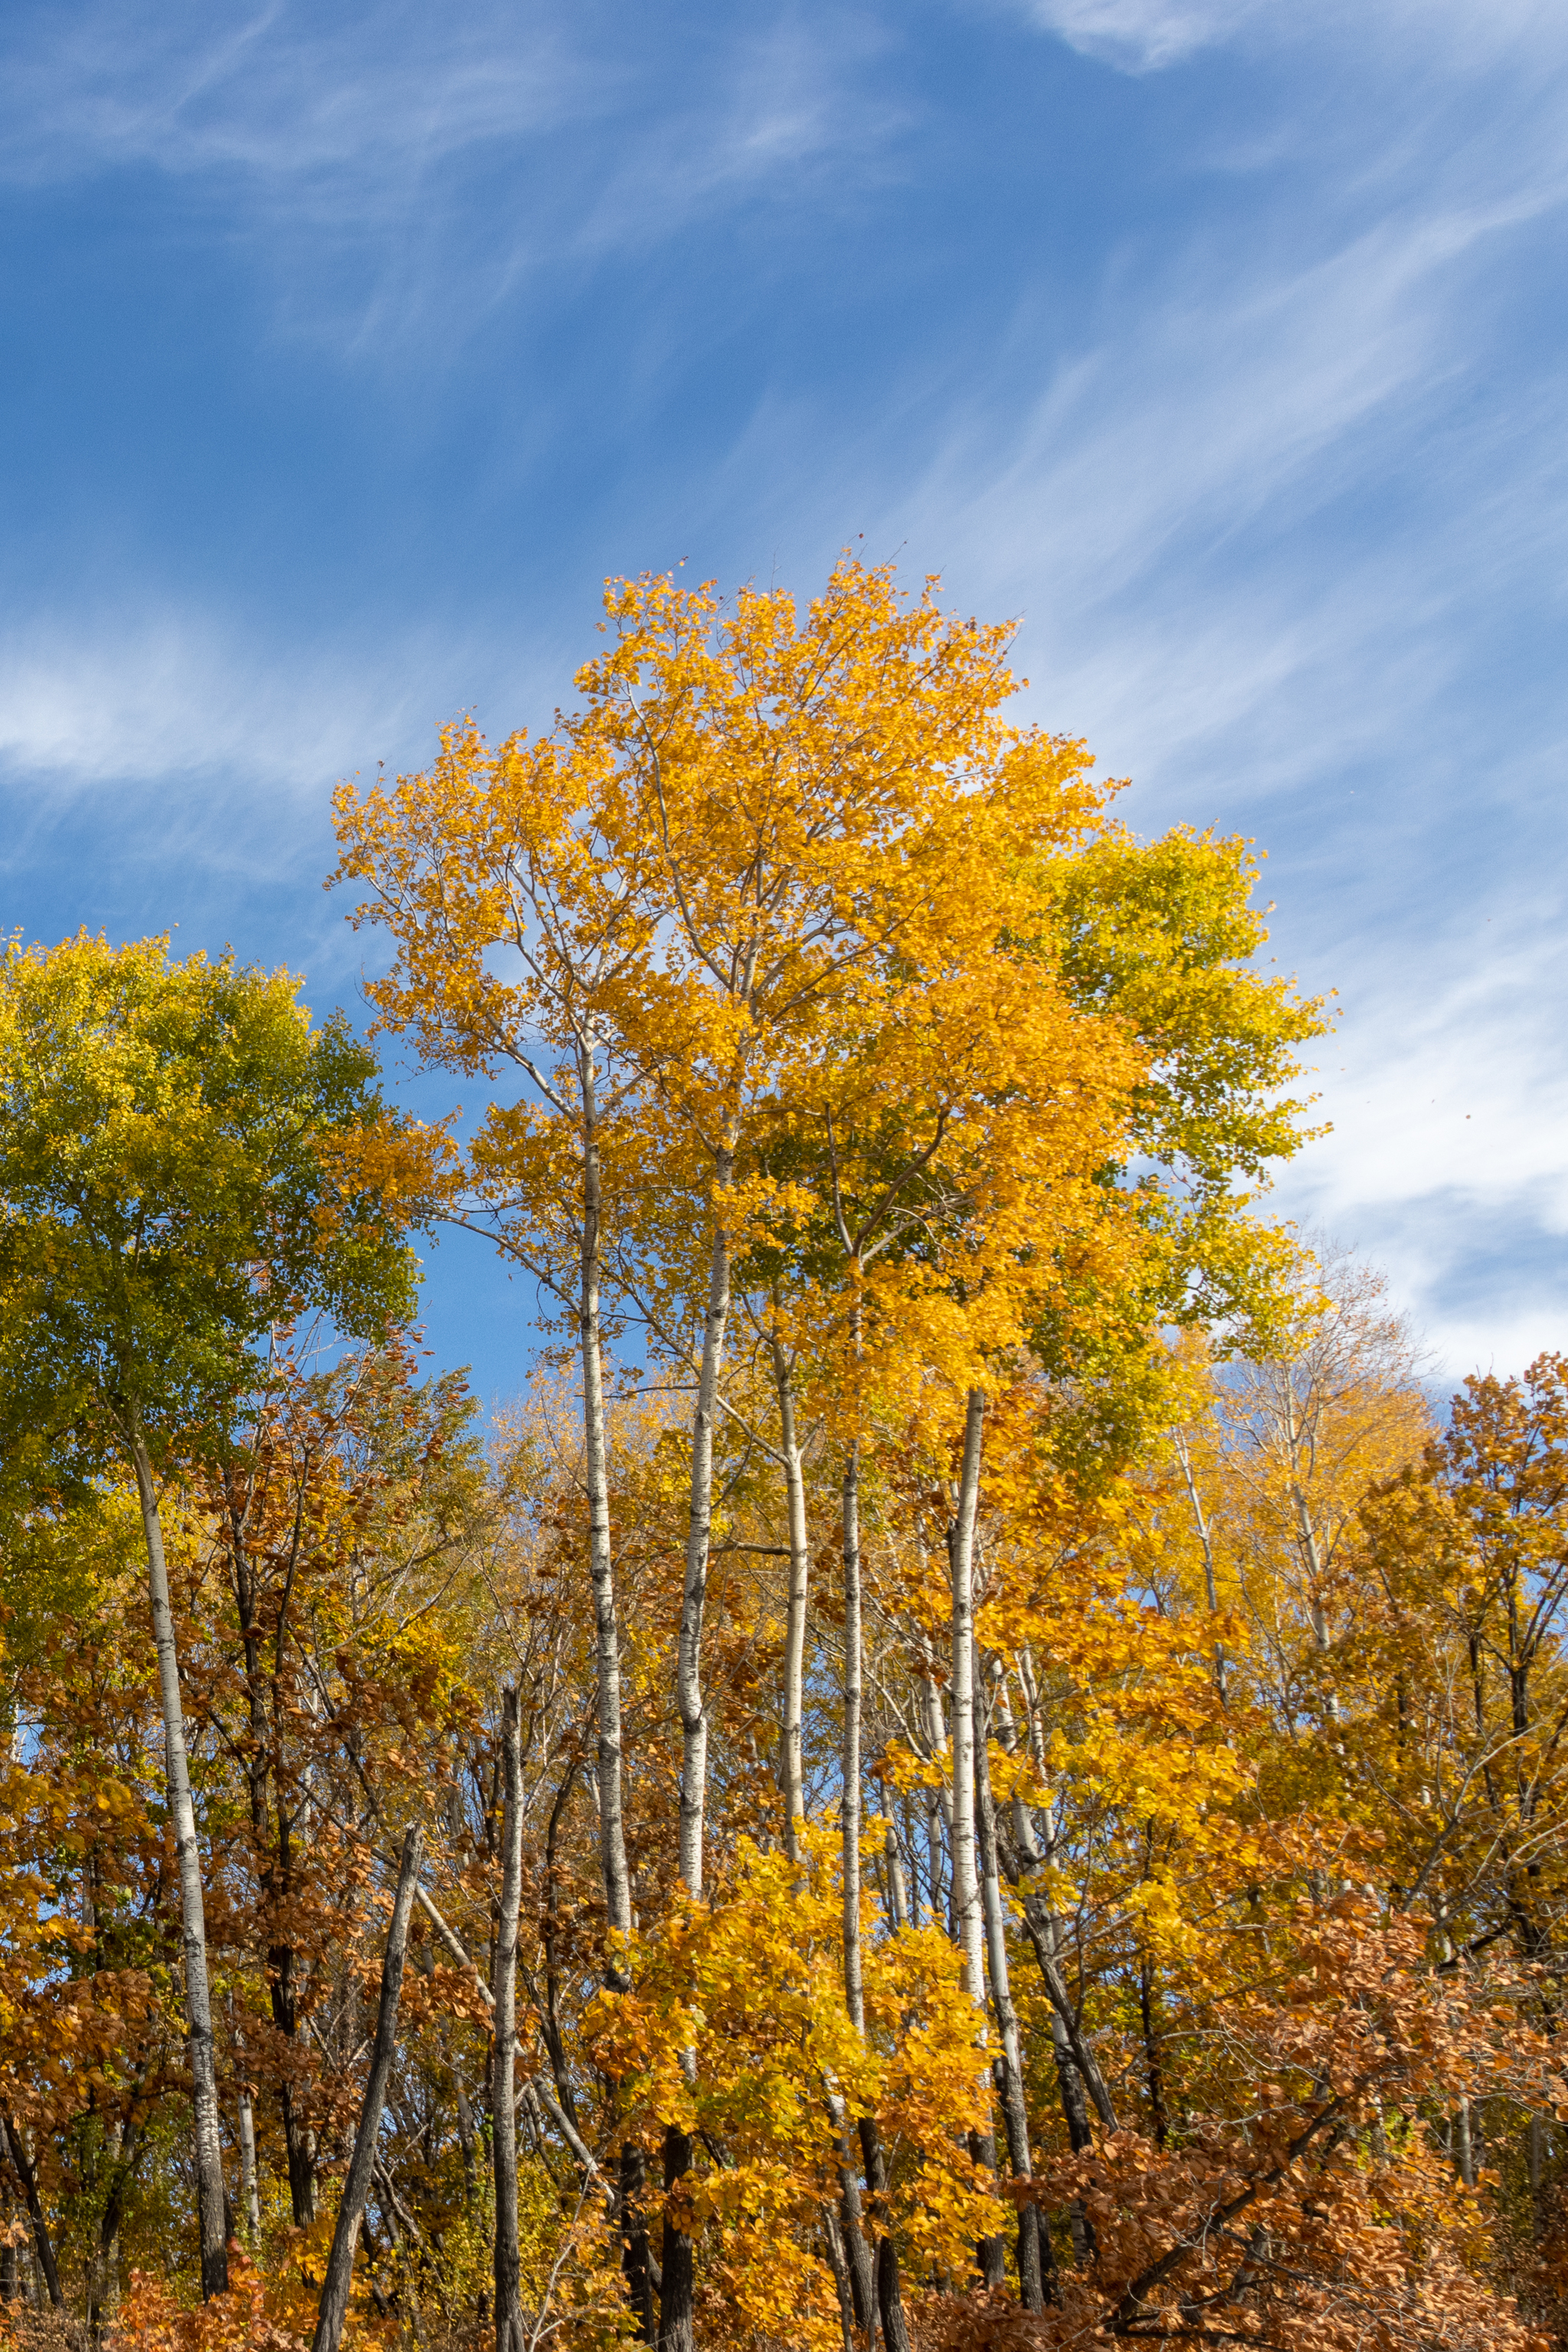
[(676, 2266), (334, 2300), (105, 2265), (634, 2264), (889, 2294), (299, 2143), (1152, 2052), (27, 2174), (990, 2253)]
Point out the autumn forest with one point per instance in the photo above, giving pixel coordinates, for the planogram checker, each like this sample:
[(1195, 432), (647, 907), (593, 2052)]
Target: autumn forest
[(975, 1759)]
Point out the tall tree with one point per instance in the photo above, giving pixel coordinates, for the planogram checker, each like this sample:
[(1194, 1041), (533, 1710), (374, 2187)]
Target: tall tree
[(515, 919), (173, 1142)]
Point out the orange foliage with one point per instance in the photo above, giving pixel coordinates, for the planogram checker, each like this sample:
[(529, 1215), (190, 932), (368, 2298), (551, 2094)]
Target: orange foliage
[(151, 2320)]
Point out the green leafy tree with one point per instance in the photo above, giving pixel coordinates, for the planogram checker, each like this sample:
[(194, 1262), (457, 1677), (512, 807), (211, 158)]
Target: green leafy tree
[(185, 1163)]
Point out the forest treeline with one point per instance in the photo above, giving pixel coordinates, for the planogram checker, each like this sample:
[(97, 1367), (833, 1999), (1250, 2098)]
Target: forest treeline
[(973, 1763)]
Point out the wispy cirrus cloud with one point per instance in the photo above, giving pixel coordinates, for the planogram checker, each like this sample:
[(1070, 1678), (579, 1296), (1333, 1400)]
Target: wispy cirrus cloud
[(1142, 35), (1447, 1163), (274, 90), (1147, 36), (130, 701), (442, 145), (1284, 526), (1281, 501)]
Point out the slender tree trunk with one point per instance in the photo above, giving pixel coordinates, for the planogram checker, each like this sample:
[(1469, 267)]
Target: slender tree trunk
[(198, 1997), (503, 2117), (690, 1697), (1075, 2064), (857, 2251), (1206, 1540), (888, 2302), (791, 1769), (27, 2174), (249, 2185), (257, 1772), (1075, 2060), (966, 1903), (299, 2143), (675, 2297), (103, 2284), (837, 2262), (1019, 1814), (1031, 2284), (607, 1666), (257, 1777), (850, 1810), (938, 1809), (968, 1912), (893, 1854), (636, 2266), (601, 1563), (465, 2142), (677, 2269), (335, 2302), (1153, 2073)]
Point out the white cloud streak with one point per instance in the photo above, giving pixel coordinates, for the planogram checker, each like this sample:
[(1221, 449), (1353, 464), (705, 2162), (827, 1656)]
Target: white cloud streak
[(1142, 36), (1177, 513), (425, 149), (174, 698), (1174, 504)]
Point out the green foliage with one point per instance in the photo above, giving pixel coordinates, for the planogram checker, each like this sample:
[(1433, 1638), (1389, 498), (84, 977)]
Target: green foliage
[(1164, 934), (168, 1185)]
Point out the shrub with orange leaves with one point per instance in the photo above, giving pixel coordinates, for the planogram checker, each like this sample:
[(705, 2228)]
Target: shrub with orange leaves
[(151, 2320), (1317, 2217)]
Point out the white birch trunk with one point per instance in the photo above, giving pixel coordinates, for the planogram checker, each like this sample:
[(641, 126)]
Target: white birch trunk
[(968, 1921), (969, 1925), (853, 1989), (1014, 2111), (192, 1914), (601, 1563), (503, 2113), (249, 2184), (690, 1698), (791, 1767)]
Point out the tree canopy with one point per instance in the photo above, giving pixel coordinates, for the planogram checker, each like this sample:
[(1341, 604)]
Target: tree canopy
[(970, 1761)]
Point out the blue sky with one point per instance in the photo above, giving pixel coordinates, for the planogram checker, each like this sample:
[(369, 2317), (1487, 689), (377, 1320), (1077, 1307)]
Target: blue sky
[(349, 348)]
